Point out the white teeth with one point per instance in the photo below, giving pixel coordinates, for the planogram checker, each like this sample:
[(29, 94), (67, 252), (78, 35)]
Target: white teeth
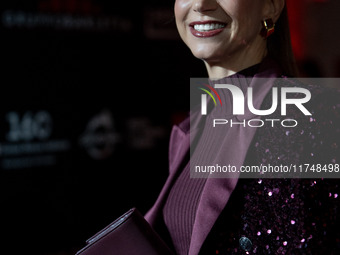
[(208, 27)]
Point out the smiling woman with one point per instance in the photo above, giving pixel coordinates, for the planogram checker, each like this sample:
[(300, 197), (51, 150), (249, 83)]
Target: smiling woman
[(239, 42), (225, 34), (228, 35)]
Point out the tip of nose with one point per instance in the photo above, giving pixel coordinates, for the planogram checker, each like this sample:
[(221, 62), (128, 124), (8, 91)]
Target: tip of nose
[(206, 5)]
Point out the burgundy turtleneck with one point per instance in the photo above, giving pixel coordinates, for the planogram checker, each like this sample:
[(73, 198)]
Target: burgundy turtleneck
[(181, 205)]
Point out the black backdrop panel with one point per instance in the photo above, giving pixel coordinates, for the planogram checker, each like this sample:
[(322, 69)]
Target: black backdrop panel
[(89, 92)]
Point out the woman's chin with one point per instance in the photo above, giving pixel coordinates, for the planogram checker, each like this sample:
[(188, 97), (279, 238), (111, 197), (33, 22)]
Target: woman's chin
[(206, 56)]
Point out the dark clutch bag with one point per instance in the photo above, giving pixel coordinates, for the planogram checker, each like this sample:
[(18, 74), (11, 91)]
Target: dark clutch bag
[(130, 234)]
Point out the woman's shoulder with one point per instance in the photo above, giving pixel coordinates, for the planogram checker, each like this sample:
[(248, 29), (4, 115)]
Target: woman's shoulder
[(311, 138), (322, 90), (321, 102)]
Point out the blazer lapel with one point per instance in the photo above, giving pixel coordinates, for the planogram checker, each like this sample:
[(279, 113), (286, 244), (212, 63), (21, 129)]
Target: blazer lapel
[(214, 197)]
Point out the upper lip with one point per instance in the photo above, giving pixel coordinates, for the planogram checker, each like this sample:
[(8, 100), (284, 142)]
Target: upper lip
[(206, 22)]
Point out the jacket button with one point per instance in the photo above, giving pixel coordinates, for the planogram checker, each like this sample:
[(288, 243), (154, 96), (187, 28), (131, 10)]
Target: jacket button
[(245, 243)]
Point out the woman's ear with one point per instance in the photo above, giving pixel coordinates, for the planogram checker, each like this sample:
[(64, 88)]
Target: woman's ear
[(273, 9)]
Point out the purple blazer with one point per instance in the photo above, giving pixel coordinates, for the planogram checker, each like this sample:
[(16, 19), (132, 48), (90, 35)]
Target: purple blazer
[(290, 234)]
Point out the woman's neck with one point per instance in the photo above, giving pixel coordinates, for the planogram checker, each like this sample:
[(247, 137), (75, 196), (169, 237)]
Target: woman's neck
[(218, 70)]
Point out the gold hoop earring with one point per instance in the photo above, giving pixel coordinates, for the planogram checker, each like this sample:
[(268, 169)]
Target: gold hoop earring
[(268, 28)]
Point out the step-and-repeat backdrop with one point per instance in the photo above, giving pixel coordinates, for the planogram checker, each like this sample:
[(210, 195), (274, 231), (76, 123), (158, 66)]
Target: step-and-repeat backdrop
[(89, 93)]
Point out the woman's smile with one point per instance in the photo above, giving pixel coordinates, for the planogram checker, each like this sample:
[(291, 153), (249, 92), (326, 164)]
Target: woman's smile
[(224, 34), (206, 28)]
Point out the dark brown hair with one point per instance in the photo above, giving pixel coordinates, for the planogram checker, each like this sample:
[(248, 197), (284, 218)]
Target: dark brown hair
[(280, 47)]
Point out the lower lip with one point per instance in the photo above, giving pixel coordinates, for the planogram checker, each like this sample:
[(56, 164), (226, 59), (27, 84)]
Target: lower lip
[(210, 33)]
